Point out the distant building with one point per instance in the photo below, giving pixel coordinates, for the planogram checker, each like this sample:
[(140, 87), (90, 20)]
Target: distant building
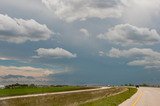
[(2, 86)]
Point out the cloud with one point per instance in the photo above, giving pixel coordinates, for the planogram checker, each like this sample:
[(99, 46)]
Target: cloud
[(132, 52), (71, 10), (25, 71), (101, 53), (145, 57), (19, 30), (140, 12), (4, 58), (7, 58), (12, 79), (130, 11), (85, 32), (16, 77), (149, 64), (126, 34), (54, 53), (28, 74)]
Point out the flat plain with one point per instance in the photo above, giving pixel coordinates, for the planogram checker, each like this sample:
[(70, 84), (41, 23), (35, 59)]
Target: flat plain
[(74, 98)]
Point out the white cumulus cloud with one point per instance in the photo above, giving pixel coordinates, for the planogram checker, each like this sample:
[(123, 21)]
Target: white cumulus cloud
[(101, 53), (19, 30), (130, 11), (140, 12), (54, 53), (126, 34), (27, 74), (5, 58), (25, 71), (71, 10), (84, 32), (145, 57)]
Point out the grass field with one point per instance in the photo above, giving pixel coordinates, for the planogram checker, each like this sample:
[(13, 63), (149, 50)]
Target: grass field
[(113, 100), (36, 90), (69, 99)]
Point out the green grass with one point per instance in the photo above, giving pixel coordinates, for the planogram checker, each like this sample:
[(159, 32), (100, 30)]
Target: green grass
[(113, 100), (68, 99), (36, 90)]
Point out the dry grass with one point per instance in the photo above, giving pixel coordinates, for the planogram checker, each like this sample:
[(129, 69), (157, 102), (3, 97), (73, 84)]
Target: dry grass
[(70, 99), (37, 90), (114, 100)]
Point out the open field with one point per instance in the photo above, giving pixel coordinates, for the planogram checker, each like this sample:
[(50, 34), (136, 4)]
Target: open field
[(64, 99), (36, 90), (114, 100)]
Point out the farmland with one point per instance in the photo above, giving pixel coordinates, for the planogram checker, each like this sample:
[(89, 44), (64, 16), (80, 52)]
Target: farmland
[(114, 100), (64, 99), (36, 90)]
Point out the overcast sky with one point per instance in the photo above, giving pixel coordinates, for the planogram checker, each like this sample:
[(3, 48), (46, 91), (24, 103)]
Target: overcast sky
[(79, 41)]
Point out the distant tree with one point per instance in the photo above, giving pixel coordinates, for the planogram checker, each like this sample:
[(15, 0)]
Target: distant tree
[(130, 84), (125, 84), (145, 85), (32, 85)]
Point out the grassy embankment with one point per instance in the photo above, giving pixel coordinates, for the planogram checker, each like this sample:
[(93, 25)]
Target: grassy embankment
[(114, 100), (68, 99), (36, 90)]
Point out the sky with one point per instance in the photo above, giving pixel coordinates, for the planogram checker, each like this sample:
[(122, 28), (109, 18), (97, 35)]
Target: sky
[(80, 42)]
